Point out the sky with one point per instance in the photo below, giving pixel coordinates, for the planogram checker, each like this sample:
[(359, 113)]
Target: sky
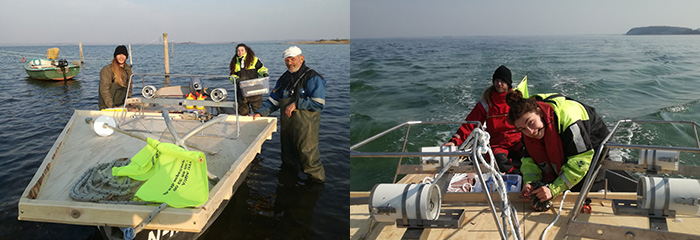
[(434, 18), (37, 22)]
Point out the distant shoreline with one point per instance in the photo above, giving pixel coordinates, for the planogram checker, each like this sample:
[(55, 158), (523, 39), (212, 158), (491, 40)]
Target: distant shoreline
[(323, 41), (662, 30)]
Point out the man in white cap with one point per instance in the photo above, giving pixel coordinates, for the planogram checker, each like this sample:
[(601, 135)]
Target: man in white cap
[(301, 93)]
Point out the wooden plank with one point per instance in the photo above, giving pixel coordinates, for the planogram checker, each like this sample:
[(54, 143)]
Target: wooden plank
[(82, 213), (32, 190), (479, 222)]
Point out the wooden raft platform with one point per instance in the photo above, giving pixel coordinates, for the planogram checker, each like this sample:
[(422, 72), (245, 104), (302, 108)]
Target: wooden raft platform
[(78, 148), (479, 224)]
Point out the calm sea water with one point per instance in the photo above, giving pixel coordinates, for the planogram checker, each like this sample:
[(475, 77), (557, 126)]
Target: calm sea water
[(35, 112), (441, 79)]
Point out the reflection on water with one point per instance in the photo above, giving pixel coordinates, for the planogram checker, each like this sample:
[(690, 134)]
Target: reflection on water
[(286, 214), (295, 203), (62, 92)]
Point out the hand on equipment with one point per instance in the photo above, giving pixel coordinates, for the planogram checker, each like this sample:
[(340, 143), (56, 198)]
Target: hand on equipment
[(542, 200), (234, 78)]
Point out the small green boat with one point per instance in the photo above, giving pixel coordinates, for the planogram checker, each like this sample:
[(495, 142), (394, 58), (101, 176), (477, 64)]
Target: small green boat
[(50, 69)]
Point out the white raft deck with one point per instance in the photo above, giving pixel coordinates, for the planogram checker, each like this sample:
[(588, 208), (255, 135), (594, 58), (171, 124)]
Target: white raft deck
[(78, 148), (478, 221)]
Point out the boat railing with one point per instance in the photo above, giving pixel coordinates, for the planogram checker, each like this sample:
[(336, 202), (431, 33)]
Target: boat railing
[(403, 153), (657, 217)]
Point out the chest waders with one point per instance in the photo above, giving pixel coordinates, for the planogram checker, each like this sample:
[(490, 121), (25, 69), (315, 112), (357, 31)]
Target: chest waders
[(247, 105), (299, 137)]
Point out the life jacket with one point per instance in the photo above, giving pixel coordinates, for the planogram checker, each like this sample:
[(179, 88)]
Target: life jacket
[(251, 70), (495, 117), (563, 118), (498, 118)]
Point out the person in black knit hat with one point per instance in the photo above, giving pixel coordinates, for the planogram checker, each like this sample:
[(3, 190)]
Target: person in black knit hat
[(493, 111), (121, 49), (114, 78), (504, 74)]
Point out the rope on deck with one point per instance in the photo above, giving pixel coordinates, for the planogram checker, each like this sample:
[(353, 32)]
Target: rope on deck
[(98, 185), (544, 233)]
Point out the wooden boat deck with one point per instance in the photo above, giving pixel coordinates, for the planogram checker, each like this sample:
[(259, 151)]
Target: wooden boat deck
[(478, 221), (78, 148)]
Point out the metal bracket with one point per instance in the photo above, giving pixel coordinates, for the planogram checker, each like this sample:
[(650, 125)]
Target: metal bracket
[(688, 201), (449, 218), (388, 209), (657, 223), (629, 207)]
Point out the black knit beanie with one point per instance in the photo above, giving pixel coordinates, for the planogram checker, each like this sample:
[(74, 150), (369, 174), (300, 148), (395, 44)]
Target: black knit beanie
[(121, 49), (503, 73)]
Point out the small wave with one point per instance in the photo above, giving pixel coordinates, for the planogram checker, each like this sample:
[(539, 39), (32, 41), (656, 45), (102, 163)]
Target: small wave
[(679, 109), (674, 109), (360, 85), (355, 116), (367, 74), (367, 64)]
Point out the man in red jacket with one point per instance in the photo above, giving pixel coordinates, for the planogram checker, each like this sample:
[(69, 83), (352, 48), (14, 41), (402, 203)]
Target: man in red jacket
[(492, 110)]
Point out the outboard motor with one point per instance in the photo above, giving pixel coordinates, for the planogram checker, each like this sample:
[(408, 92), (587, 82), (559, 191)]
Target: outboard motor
[(62, 64)]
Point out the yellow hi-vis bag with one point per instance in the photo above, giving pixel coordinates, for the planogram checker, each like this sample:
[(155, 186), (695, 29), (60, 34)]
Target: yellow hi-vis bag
[(522, 86), (173, 175)]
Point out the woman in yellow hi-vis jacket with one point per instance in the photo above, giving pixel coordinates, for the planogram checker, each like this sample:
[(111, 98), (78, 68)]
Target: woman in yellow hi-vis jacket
[(245, 66), (560, 136)]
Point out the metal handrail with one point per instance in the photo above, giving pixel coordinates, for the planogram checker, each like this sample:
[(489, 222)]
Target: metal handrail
[(604, 149), (356, 154), (143, 81)]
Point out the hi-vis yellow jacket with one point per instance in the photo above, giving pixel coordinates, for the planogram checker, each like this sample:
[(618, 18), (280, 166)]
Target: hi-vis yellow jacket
[(573, 132), (252, 70)]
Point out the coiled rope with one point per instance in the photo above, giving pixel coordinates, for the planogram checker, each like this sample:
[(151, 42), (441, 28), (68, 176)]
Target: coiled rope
[(98, 185)]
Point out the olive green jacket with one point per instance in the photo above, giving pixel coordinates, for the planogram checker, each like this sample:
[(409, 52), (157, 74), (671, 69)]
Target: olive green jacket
[(110, 93)]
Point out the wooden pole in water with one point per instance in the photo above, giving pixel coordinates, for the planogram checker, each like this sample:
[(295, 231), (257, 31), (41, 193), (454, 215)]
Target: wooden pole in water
[(167, 63), (80, 45), (131, 56), (172, 48)]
